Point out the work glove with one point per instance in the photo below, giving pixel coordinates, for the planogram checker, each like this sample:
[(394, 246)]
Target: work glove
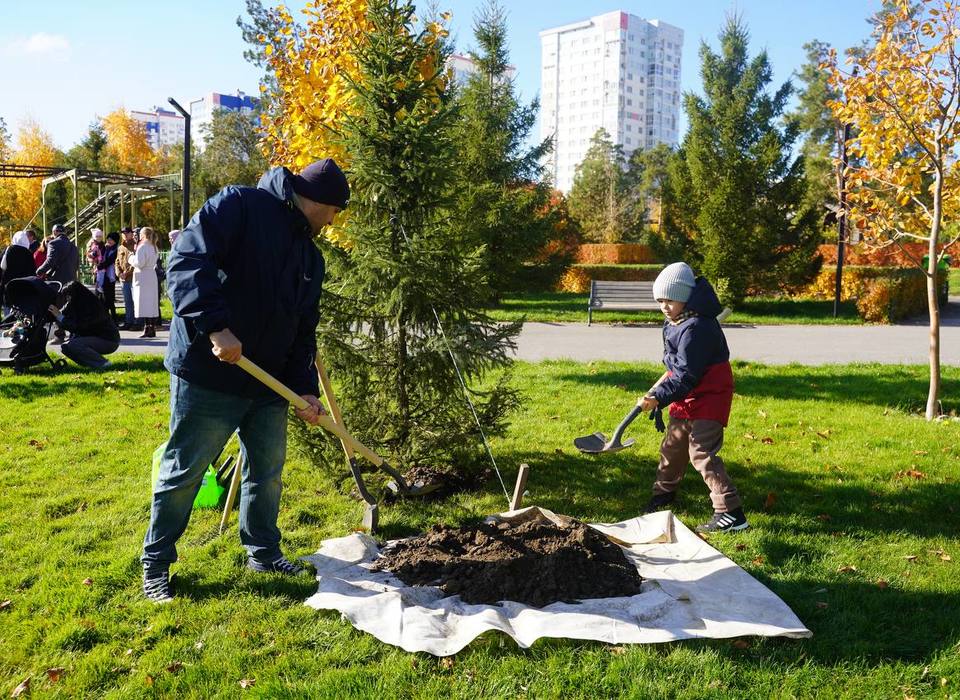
[(656, 415)]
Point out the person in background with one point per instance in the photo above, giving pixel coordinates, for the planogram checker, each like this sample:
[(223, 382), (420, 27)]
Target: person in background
[(15, 262), (40, 252), (93, 332), (145, 299), (172, 236), (106, 275), (125, 276), (63, 258), (62, 265), (95, 247)]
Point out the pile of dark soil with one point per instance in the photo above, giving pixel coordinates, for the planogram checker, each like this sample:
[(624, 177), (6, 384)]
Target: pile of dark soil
[(535, 562)]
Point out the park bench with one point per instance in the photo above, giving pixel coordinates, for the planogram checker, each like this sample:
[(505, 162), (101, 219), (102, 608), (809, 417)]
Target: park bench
[(620, 296)]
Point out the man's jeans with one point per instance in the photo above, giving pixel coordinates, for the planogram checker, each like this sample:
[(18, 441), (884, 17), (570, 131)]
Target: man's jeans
[(201, 422), (128, 315)]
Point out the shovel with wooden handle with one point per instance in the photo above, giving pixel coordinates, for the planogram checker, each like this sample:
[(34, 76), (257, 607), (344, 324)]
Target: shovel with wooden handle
[(598, 443), (371, 512), (350, 444)]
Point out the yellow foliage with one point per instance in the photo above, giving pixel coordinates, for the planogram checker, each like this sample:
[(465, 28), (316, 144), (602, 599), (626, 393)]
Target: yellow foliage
[(900, 102), (882, 295), (314, 96), (20, 197), (127, 148)]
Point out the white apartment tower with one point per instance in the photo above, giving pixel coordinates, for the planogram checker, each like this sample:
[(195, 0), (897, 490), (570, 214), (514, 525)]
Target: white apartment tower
[(615, 71)]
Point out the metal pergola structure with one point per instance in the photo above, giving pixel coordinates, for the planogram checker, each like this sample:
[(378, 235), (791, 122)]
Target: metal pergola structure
[(114, 190)]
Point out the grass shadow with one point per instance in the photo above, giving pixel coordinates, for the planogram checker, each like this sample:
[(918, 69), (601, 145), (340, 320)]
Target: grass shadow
[(837, 384)]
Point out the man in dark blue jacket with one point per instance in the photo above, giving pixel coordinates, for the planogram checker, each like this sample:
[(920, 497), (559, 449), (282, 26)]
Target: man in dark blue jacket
[(244, 277)]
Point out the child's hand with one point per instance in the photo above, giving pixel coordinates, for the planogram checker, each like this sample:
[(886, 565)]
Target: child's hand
[(647, 403)]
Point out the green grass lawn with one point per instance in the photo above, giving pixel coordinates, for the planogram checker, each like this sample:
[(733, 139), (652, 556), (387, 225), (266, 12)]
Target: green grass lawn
[(954, 281), (553, 307), (865, 553)]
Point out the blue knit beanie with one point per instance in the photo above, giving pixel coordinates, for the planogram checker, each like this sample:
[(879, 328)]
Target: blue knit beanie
[(675, 282)]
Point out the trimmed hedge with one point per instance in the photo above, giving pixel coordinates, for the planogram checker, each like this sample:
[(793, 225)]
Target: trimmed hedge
[(888, 256), (882, 294), (577, 278), (615, 254)]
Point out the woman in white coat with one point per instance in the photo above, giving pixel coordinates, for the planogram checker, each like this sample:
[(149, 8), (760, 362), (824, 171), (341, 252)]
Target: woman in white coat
[(145, 283)]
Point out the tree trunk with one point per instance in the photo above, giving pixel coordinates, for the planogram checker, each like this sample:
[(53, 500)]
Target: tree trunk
[(933, 396)]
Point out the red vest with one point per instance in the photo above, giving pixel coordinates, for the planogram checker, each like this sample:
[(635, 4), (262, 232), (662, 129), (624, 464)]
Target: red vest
[(710, 399)]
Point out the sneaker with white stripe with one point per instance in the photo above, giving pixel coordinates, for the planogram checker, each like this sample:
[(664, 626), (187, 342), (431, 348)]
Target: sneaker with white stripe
[(726, 522), (156, 585), (280, 565)]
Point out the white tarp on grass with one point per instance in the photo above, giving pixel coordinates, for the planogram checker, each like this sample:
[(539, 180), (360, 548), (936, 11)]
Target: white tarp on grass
[(689, 590)]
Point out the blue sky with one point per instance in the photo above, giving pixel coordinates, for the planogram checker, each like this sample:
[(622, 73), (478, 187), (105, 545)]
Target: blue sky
[(65, 62)]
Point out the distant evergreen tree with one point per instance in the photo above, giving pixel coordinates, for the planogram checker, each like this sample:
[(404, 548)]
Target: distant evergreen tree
[(504, 197), (752, 229)]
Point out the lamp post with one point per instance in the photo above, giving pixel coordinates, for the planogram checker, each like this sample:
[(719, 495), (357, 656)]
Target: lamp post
[(185, 211), (841, 219)]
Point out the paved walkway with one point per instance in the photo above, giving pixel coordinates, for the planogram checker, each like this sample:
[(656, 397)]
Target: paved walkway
[(810, 345)]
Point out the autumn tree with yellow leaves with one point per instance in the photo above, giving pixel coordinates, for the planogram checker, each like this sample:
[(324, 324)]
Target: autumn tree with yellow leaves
[(20, 197), (128, 149), (902, 97)]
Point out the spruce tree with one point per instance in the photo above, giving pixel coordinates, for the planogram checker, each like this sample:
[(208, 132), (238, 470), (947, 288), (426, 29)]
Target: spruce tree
[(752, 230), (410, 277), (819, 129), (504, 198)]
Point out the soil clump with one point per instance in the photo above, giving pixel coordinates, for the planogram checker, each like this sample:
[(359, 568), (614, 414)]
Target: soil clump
[(536, 563)]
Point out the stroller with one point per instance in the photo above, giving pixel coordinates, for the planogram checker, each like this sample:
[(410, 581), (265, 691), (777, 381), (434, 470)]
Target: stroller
[(24, 333)]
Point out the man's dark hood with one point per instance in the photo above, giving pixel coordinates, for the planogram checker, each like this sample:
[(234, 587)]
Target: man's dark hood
[(703, 300)]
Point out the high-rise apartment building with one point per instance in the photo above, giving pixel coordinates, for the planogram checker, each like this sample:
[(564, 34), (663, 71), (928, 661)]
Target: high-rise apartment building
[(164, 128), (615, 71), (203, 109)]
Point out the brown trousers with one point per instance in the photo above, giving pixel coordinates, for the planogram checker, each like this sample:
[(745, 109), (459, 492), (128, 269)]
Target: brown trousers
[(696, 441)]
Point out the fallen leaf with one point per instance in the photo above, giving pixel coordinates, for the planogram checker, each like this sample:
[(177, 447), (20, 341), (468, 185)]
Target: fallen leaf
[(920, 452), (846, 569), (823, 517), (767, 441), (55, 674), (199, 645), (37, 444), (128, 652), (446, 662), (910, 473), (247, 683), (558, 451), (618, 651), (174, 667), (758, 561), (5, 605), (762, 413), (911, 557), (771, 501), (882, 585), (741, 547), (825, 436), (943, 682), (21, 689), (148, 680), (822, 605), (88, 581), (742, 644), (554, 417), (750, 436)]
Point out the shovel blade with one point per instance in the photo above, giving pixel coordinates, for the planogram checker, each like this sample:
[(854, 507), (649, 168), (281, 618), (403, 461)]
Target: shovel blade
[(597, 444), (590, 444)]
